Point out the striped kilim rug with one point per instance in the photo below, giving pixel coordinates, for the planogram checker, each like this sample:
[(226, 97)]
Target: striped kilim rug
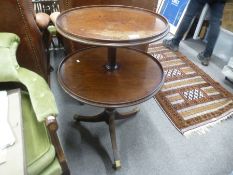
[(191, 99)]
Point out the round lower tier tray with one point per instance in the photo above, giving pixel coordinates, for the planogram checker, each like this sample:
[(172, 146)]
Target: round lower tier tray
[(84, 76)]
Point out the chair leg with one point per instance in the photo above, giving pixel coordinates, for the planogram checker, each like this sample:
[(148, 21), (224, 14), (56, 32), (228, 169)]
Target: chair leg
[(52, 127)]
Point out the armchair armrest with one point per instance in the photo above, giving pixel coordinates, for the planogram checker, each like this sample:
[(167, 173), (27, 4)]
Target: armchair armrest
[(42, 99), (42, 20), (45, 108)]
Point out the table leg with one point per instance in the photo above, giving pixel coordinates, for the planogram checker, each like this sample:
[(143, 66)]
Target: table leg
[(112, 131)]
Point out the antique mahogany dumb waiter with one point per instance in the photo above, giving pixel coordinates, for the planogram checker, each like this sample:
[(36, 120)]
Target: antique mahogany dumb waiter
[(111, 75)]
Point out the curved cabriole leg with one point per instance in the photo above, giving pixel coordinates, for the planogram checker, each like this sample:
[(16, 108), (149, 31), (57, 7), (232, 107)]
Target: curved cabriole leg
[(125, 115), (96, 118), (109, 116)]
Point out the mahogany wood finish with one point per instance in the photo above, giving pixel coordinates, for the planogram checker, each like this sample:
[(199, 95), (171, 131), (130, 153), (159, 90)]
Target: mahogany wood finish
[(83, 75), (71, 46), (17, 16), (111, 76), (146, 4), (109, 116), (104, 116), (98, 25)]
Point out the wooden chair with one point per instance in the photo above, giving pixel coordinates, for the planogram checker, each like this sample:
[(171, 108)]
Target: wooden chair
[(48, 7)]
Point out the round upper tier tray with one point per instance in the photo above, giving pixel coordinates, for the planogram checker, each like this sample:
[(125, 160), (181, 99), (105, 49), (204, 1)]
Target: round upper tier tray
[(111, 25)]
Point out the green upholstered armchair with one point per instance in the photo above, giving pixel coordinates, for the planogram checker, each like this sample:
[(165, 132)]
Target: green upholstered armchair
[(44, 154)]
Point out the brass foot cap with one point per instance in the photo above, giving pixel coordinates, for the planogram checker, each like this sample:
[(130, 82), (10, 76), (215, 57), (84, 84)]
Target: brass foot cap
[(117, 164)]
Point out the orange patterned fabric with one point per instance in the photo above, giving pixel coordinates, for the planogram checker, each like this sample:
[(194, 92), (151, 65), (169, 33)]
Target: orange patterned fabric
[(189, 96)]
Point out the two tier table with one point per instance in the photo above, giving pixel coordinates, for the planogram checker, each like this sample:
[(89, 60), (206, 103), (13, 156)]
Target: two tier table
[(111, 75)]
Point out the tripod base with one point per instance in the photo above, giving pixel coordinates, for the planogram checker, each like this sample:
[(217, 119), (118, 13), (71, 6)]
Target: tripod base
[(109, 115)]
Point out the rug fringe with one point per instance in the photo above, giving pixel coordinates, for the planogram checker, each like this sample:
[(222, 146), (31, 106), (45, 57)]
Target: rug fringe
[(205, 128)]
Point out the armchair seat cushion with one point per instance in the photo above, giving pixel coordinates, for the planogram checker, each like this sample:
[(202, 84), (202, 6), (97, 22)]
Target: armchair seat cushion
[(40, 153)]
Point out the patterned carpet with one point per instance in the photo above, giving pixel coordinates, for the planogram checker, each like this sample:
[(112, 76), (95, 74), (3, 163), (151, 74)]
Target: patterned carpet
[(190, 98)]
